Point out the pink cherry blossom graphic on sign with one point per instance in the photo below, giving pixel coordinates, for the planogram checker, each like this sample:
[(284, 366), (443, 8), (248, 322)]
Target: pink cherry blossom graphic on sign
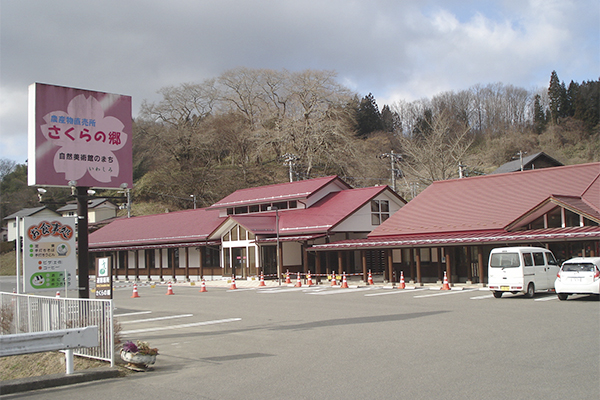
[(86, 139)]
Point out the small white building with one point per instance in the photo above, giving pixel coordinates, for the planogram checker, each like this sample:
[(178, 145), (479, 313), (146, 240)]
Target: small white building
[(99, 209), (11, 220)]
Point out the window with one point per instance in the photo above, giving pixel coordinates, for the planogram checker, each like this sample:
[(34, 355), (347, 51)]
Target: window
[(253, 209), (150, 258), (380, 211), (571, 218), (538, 258), (241, 210), (527, 259), (242, 233), (554, 218)]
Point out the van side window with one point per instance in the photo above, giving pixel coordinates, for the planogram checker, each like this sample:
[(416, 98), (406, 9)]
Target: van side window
[(551, 259), (538, 258), (527, 259)]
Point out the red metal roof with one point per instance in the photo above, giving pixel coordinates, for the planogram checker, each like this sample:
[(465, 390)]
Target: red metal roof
[(277, 192), (465, 238), (327, 212), (189, 226), (490, 202)]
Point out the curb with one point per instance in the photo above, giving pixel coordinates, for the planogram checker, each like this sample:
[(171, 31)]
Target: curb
[(55, 380)]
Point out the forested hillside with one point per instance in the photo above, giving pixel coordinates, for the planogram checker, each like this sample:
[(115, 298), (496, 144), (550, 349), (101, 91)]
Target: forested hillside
[(252, 127)]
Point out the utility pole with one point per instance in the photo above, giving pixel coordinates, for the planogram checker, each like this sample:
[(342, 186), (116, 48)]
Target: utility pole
[(394, 158), (289, 159), (520, 154)]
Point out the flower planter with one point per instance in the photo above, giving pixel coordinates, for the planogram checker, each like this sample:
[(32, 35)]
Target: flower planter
[(137, 360)]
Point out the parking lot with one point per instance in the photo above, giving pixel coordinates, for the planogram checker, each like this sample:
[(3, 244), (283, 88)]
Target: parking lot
[(358, 343)]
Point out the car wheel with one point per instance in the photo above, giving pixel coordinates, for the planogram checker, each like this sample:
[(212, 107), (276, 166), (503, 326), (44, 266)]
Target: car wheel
[(497, 294), (530, 290), (562, 296)]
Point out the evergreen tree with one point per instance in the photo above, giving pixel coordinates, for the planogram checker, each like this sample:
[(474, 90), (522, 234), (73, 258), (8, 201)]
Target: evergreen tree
[(390, 120), (539, 116), (369, 117), (557, 97)]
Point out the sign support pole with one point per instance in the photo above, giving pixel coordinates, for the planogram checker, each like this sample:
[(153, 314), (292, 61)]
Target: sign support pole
[(83, 243)]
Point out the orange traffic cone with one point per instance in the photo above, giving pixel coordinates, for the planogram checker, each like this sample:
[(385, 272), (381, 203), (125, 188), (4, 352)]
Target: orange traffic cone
[(170, 289), (57, 295), (401, 285), (370, 281), (287, 277), (135, 292), (309, 279), (344, 282), (262, 280), (298, 281), (233, 287), (333, 283), (203, 286), (445, 286)]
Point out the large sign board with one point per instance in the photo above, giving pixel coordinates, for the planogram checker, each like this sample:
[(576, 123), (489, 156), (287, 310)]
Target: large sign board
[(79, 136), (49, 253)]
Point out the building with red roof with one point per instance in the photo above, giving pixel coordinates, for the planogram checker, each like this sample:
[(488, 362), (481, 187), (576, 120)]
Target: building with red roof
[(240, 234), (452, 225)]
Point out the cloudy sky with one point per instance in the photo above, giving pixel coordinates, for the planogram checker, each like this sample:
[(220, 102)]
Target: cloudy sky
[(396, 49)]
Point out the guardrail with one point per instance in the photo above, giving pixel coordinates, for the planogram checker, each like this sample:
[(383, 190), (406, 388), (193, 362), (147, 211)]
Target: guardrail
[(37, 342), (30, 313)]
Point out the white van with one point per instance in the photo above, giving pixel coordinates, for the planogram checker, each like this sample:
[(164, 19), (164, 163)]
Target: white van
[(521, 269)]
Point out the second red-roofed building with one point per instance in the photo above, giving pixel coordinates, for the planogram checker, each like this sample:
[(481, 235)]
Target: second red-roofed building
[(239, 235)]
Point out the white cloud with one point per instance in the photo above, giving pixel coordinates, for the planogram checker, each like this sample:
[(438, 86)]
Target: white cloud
[(395, 49)]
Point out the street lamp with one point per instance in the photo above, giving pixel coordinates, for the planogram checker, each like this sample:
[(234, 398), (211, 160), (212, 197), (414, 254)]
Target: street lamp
[(273, 208)]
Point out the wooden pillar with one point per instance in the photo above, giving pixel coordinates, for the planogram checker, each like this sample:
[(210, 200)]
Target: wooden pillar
[(418, 260), (340, 255), (448, 251), (160, 264), (469, 262), (480, 264), (304, 258), (173, 274), (412, 264), (390, 264), (440, 270), (187, 263), (201, 252), (126, 265), (147, 263), (363, 257), (318, 265), (137, 265)]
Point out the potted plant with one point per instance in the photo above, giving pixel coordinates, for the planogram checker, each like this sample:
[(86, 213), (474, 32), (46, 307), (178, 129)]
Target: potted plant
[(138, 356)]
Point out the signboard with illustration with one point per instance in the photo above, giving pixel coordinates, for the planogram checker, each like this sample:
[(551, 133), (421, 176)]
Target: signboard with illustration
[(103, 278), (79, 136), (49, 253)]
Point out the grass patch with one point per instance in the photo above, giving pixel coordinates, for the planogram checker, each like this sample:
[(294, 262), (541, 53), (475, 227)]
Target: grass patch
[(8, 263)]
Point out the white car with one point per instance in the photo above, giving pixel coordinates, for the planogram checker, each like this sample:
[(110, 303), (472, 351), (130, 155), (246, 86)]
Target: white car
[(579, 275)]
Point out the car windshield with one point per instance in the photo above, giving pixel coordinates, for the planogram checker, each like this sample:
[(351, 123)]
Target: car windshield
[(504, 260), (578, 267)]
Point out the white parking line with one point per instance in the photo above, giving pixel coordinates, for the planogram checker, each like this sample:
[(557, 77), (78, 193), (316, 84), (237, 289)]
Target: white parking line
[(339, 291), (386, 292), (165, 328), (487, 296), (156, 319), (280, 290), (547, 298), (133, 313), (444, 293)]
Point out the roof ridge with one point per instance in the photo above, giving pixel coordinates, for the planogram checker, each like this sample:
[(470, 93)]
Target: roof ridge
[(331, 177), (528, 171)]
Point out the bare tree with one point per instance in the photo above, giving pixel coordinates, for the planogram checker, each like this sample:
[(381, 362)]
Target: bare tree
[(434, 156)]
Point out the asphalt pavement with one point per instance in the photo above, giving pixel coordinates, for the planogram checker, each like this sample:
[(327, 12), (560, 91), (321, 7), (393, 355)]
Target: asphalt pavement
[(362, 342)]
